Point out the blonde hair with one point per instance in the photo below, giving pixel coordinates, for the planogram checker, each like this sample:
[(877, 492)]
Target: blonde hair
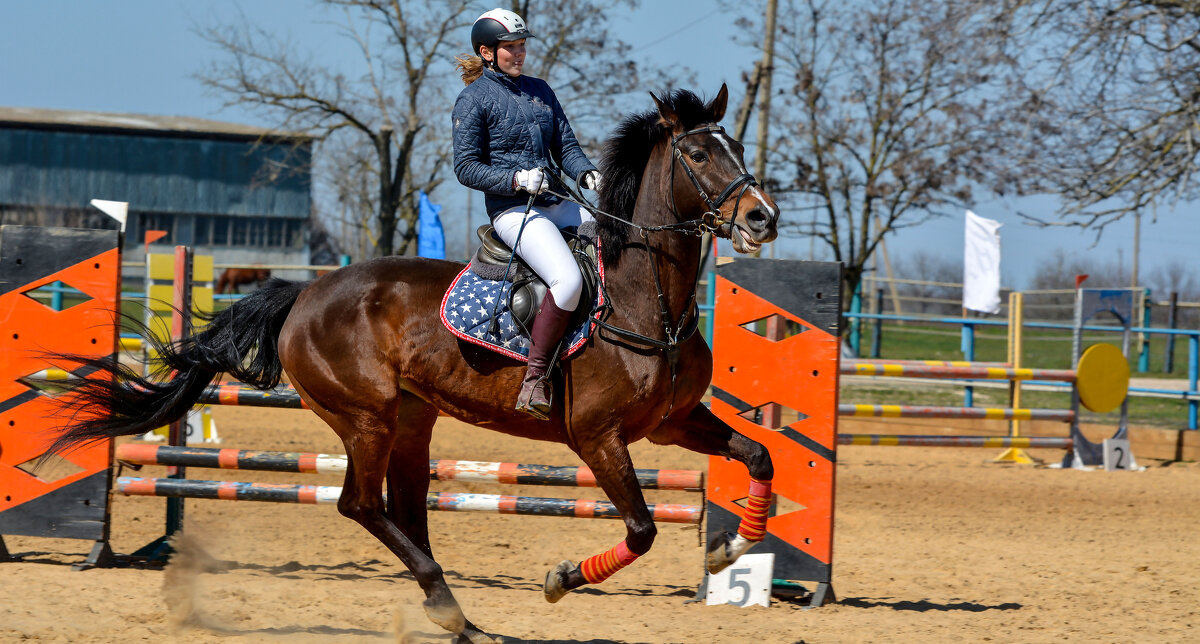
[(470, 66)]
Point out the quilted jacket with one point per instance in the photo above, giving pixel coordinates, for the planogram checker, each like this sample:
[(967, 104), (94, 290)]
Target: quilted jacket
[(504, 124)]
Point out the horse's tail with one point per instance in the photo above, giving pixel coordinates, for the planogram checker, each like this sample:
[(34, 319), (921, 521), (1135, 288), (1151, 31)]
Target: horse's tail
[(241, 340)]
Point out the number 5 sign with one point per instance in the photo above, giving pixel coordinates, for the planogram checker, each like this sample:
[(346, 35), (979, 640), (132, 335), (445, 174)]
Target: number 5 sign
[(745, 583)]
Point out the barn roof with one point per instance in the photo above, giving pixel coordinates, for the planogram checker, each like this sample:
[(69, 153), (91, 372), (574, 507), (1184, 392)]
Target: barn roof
[(144, 124)]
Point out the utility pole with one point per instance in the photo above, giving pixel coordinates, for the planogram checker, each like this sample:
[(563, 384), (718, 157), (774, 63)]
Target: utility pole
[(887, 266), (1137, 238), (747, 106), (765, 70)]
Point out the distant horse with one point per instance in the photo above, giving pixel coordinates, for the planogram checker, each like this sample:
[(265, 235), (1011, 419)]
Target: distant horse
[(365, 348), (232, 278)]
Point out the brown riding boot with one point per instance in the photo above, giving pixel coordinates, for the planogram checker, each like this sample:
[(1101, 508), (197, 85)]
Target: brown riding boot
[(548, 328)]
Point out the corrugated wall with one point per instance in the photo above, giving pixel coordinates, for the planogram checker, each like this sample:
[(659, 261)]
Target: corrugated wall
[(153, 173)]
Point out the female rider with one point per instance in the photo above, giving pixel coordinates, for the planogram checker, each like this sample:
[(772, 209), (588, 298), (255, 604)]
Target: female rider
[(507, 128)]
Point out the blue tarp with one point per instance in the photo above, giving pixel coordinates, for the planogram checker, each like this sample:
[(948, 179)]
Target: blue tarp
[(431, 240)]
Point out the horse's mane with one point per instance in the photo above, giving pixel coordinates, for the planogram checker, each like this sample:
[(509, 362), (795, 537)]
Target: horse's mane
[(624, 159)]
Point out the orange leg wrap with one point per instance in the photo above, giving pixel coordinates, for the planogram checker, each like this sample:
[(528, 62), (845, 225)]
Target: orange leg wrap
[(597, 568), (754, 522)]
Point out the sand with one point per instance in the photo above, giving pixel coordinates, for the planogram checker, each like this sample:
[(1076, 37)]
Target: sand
[(930, 545)]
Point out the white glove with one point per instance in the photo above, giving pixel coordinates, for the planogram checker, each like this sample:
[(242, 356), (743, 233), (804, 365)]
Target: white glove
[(590, 180), (531, 181)]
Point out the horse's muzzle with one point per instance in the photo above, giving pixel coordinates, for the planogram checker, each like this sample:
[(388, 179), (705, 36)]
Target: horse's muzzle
[(753, 227)]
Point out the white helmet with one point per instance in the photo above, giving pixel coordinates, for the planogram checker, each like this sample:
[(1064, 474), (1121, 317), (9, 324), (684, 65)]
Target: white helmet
[(496, 26)]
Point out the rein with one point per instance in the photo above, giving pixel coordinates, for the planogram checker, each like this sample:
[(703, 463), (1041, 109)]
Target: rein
[(675, 333)]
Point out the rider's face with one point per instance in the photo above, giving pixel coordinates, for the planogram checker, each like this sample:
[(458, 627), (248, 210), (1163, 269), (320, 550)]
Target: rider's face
[(509, 56)]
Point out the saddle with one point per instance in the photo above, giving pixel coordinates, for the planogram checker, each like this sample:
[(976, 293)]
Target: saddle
[(524, 298)]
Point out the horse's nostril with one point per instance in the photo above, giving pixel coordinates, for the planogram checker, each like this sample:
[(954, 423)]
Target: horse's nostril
[(758, 218)]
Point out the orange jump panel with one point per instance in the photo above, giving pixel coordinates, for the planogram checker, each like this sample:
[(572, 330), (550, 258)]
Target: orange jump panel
[(68, 499), (775, 377)]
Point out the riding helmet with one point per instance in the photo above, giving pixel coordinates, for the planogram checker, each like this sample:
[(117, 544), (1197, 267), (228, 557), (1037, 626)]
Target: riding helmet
[(496, 26)]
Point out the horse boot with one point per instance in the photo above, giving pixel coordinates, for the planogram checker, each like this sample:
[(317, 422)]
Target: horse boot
[(548, 328)]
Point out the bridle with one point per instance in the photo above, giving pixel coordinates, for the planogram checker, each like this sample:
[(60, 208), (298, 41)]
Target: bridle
[(712, 218), (676, 333)]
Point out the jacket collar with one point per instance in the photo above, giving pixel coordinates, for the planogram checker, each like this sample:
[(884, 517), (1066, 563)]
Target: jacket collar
[(503, 79)]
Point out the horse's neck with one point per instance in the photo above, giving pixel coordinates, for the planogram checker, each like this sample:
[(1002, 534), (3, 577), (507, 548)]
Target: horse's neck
[(631, 283)]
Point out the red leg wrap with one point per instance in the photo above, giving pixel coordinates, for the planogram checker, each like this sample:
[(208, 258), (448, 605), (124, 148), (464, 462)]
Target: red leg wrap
[(758, 501), (597, 568)]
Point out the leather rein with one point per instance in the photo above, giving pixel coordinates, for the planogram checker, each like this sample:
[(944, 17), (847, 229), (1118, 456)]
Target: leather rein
[(676, 333)]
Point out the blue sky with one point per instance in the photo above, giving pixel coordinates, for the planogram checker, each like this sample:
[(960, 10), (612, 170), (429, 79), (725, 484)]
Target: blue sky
[(139, 56)]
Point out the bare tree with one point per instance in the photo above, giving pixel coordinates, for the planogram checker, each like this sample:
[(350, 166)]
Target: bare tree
[(384, 134), (576, 52), (387, 107), (1113, 101), (883, 116), (1177, 277), (935, 272)]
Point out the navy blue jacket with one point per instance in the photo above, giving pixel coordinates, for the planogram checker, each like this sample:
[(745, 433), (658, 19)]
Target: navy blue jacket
[(504, 124)]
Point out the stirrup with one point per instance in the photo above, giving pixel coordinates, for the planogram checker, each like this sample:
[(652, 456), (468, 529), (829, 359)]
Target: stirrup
[(540, 412)]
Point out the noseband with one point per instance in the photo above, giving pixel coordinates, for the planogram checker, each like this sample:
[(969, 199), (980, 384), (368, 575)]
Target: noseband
[(711, 219)]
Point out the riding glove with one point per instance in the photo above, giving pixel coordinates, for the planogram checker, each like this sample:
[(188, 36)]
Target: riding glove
[(590, 180), (532, 181)]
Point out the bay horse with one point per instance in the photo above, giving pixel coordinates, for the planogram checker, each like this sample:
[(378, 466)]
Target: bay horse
[(365, 348), (232, 278)]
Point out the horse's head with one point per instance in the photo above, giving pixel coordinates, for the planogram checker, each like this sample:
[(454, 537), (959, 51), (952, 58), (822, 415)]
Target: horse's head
[(709, 175)]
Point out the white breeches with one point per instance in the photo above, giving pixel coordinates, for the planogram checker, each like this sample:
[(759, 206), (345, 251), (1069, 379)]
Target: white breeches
[(543, 248)]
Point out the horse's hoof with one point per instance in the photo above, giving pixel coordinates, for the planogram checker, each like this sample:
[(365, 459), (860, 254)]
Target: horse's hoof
[(471, 636), (555, 587), (723, 550), (448, 616)]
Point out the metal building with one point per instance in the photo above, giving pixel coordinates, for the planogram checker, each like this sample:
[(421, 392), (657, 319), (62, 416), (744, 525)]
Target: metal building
[(239, 193)]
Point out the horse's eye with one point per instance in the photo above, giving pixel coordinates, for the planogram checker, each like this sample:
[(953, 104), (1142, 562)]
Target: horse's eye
[(699, 157)]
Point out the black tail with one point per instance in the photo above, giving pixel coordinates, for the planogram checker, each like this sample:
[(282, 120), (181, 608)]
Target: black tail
[(241, 340)]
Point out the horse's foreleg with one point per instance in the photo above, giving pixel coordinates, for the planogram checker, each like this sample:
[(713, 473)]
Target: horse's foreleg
[(615, 475), (701, 431)]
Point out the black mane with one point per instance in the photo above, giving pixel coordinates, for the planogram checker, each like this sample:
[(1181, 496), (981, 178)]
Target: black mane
[(624, 159)]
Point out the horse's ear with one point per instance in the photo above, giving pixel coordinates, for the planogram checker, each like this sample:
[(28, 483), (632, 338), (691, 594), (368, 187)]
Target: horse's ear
[(716, 107), (666, 115)]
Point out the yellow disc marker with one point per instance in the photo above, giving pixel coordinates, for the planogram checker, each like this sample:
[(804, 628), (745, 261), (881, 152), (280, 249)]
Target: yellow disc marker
[(1102, 378)]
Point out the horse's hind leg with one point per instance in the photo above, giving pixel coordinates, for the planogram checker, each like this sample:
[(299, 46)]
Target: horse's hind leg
[(701, 431), (609, 461), (382, 446), (407, 485)]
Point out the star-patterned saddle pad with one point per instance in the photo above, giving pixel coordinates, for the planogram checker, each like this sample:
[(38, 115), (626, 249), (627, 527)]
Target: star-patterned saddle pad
[(467, 312)]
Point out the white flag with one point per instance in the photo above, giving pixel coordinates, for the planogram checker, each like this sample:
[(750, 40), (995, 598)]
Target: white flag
[(118, 210), (981, 264)]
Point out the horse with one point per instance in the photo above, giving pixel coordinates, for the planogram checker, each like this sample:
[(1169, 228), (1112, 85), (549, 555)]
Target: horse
[(232, 278), (366, 350)]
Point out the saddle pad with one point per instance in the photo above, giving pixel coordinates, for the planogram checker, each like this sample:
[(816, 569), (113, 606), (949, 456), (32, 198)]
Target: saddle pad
[(467, 313)]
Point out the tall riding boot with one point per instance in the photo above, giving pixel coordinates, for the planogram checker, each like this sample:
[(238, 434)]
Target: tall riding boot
[(548, 328)]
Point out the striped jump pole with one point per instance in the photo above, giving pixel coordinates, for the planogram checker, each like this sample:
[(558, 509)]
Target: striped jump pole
[(955, 441), (444, 501), (930, 363), (282, 397), (986, 413), (132, 344), (526, 474), (963, 371), (52, 374), (439, 470)]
